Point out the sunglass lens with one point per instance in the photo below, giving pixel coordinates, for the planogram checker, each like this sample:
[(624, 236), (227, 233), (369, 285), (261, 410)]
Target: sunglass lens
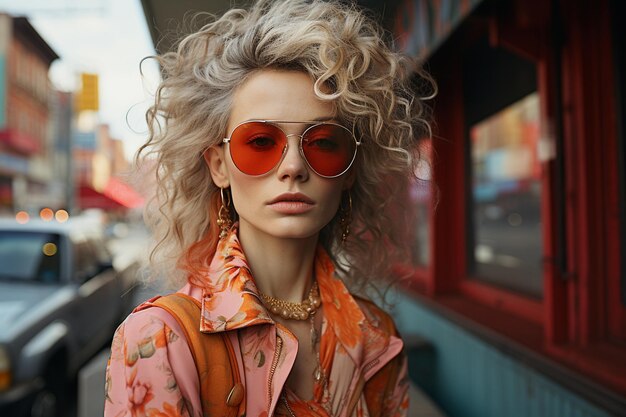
[(329, 149), (256, 147)]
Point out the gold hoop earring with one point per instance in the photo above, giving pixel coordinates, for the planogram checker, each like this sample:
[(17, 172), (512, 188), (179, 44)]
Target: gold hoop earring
[(223, 215), (345, 219)]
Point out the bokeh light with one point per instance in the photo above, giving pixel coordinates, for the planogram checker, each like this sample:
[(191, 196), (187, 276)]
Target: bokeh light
[(22, 217), (49, 249), (61, 216), (46, 214)]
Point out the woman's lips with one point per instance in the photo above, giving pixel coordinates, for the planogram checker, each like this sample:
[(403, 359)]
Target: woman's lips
[(291, 203), (291, 207)]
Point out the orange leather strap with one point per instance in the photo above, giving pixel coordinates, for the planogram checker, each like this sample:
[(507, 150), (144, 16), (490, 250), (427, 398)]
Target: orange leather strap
[(221, 390)]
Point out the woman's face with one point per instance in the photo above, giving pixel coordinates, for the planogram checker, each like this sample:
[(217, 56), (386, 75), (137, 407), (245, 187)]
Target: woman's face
[(290, 201)]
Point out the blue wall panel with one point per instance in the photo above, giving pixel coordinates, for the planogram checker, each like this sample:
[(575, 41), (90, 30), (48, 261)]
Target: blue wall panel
[(474, 379)]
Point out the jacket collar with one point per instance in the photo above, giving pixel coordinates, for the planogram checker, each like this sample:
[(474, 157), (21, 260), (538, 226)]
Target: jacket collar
[(231, 301), (355, 326)]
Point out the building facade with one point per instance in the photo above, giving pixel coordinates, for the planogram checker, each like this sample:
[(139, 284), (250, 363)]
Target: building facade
[(25, 137), (523, 291)]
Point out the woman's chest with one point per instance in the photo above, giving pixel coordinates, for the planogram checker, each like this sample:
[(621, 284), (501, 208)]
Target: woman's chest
[(307, 369), (276, 358)]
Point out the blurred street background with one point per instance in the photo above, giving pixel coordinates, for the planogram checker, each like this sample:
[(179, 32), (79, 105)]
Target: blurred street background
[(513, 300)]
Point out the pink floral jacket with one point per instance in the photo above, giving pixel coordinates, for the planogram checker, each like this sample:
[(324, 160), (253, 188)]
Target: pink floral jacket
[(151, 371)]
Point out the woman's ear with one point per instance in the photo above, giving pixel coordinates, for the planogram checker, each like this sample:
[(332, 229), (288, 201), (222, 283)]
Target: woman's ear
[(215, 160)]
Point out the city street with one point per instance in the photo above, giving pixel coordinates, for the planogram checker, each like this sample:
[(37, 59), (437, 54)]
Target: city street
[(490, 178)]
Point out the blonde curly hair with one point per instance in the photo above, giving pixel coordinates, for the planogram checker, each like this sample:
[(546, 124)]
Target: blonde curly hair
[(375, 90)]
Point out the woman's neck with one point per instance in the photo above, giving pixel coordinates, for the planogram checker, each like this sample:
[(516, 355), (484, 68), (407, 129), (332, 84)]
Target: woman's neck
[(282, 268)]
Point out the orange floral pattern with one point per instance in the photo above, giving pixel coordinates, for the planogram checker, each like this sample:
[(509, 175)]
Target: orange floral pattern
[(151, 371), (139, 354), (340, 309), (139, 395), (168, 410)]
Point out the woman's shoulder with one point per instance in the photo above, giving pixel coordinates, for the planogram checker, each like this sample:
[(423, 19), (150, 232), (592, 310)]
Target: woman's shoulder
[(146, 330), (376, 315), (150, 327), (147, 317), (150, 364)]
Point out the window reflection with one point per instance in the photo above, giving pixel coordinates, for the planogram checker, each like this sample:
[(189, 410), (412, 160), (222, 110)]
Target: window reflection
[(506, 192), (421, 195), (29, 256)]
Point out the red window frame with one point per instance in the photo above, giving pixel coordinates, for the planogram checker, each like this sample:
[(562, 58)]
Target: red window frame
[(615, 228)]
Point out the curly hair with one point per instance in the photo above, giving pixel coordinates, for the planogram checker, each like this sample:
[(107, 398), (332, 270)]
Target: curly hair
[(375, 90)]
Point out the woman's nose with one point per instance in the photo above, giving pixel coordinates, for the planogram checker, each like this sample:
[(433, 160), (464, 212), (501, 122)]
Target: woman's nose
[(293, 164)]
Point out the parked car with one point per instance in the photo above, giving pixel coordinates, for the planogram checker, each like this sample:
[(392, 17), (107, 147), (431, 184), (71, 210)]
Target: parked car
[(60, 301)]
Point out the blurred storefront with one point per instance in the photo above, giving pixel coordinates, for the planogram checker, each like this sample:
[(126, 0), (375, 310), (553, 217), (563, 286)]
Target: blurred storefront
[(527, 240), (116, 195), (517, 273), (100, 169)]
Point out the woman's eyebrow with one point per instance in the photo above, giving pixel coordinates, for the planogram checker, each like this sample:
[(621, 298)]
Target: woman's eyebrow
[(324, 119), (317, 119)]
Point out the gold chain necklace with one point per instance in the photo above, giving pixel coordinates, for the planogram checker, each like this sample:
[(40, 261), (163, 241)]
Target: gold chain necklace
[(294, 311), (318, 374)]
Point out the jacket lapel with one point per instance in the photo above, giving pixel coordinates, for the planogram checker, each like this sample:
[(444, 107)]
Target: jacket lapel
[(230, 300), (369, 347)]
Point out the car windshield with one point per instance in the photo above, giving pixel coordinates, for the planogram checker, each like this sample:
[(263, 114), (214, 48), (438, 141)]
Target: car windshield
[(29, 256)]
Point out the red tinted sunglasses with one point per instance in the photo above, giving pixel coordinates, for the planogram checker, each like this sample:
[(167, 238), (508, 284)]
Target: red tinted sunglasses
[(257, 146)]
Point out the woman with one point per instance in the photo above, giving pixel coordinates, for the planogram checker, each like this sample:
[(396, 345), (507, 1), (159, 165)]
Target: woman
[(282, 134)]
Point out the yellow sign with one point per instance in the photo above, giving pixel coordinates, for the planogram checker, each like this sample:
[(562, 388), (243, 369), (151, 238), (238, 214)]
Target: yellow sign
[(87, 98)]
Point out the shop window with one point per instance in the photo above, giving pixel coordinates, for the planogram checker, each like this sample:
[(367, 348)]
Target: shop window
[(504, 186), (505, 196)]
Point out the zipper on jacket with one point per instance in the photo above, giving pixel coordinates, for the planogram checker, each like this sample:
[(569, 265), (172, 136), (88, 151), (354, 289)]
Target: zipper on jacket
[(279, 348), (370, 365), (361, 383)]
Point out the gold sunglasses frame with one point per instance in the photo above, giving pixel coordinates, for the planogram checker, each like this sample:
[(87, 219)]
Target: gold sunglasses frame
[(313, 124)]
